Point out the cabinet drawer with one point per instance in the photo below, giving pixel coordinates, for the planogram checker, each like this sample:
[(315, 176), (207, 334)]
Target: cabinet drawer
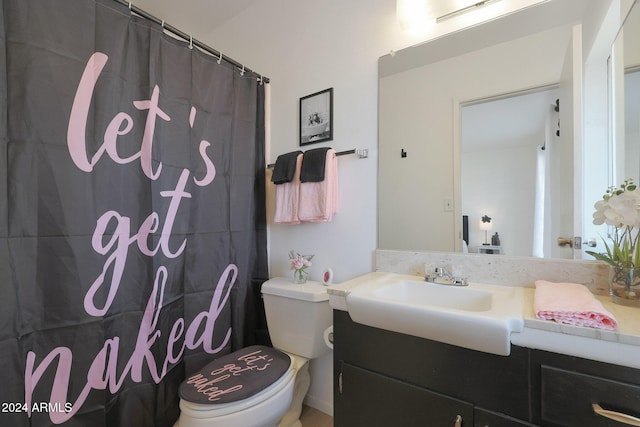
[(567, 398)]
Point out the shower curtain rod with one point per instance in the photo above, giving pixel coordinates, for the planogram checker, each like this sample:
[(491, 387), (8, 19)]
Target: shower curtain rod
[(188, 38)]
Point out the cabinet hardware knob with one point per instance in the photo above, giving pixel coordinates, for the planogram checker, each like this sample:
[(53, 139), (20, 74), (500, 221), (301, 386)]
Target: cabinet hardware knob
[(458, 421), (616, 416)]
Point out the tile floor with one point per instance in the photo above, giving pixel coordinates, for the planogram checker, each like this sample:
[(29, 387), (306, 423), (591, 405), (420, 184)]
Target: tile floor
[(312, 417)]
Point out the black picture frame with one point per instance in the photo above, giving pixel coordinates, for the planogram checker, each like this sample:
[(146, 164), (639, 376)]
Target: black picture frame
[(316, 117)]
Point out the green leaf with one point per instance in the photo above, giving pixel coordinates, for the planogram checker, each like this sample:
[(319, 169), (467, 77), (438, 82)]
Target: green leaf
[(602, 257)]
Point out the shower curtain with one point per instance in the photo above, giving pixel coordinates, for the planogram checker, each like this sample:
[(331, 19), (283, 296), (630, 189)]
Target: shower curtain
[(132, 223)]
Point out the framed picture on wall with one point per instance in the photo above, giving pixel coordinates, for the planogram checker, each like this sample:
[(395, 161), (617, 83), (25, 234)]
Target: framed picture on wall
[(316, 117)]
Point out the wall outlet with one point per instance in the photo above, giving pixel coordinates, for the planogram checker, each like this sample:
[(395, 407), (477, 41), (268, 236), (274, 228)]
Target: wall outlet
[(448, 204)]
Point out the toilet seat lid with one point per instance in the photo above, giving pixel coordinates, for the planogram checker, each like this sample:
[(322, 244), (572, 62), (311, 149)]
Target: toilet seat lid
[(235, 376)]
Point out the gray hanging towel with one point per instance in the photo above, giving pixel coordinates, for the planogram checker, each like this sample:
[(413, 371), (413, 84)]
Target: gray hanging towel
[(313, 163), (285, 167)]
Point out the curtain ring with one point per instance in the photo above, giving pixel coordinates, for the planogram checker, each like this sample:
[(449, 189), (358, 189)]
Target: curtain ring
[(220, 59), (130, 7), (242, 71), (162, 25), (259, 79), (190, 42)]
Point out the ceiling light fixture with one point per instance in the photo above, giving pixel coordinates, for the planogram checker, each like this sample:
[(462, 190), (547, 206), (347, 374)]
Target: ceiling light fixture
[(413, 14), (418, 14), (466, 9)]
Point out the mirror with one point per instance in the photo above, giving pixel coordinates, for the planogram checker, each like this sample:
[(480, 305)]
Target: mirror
[(423, 91)]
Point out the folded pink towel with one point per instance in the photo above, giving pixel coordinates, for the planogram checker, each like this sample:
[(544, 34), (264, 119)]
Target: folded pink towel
[(288, 198), (319, 200), (571, 304)]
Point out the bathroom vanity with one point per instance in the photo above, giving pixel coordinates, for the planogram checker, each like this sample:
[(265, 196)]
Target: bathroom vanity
[(554, 375), (384, 378)]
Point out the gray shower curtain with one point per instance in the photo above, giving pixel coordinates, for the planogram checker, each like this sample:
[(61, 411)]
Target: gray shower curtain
[(132, 224)]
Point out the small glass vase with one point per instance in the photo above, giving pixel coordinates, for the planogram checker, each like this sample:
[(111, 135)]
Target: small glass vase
[(299, 276), (624, 285)]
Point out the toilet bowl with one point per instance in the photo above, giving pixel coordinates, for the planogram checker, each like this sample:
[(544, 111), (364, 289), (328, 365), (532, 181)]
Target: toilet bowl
[(263, 409), (261, 386)]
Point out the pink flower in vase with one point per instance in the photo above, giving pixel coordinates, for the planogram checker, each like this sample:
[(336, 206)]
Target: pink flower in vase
[(299, 263)]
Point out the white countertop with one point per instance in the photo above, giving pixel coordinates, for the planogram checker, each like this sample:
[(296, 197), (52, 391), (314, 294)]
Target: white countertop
[(621, 347)]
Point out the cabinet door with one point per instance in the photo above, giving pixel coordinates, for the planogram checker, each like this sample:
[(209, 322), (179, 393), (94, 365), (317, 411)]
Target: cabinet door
[(368, 399), (490, 381), (568, 398), (484, 418)]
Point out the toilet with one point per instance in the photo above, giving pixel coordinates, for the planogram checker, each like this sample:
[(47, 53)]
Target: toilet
[(260, 386)]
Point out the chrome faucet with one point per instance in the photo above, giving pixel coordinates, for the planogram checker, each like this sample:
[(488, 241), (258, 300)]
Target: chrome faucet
[(441, 276)]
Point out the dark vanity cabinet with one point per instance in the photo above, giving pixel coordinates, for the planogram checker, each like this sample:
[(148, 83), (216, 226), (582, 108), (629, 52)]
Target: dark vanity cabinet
[(383, 378), (391, 402), (386, 379)]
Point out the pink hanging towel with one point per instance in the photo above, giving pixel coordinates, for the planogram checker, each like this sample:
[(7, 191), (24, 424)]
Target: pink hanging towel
[(319, 200), (571, 304), (288, 198)]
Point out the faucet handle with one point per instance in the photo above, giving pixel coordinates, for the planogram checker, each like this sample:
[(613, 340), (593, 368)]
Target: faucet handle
[(458, 281)]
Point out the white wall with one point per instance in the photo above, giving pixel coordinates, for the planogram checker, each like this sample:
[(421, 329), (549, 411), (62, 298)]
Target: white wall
[(305, 46), (487, 192)]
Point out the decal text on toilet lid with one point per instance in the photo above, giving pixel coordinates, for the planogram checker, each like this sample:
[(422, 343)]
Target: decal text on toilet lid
[(235, 376)]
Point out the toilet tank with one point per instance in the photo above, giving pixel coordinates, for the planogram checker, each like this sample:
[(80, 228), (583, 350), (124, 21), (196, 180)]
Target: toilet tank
[(297, 316)]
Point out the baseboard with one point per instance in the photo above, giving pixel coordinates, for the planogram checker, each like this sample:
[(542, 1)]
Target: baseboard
[(319, 404)]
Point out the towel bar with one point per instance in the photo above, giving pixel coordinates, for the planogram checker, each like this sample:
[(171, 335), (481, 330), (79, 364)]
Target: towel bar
[(362, 154)]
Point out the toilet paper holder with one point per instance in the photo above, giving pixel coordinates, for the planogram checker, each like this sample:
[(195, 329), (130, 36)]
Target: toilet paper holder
[(328, 337)]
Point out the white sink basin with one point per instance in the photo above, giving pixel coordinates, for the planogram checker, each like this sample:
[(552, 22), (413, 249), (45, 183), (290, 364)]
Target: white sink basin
[(430, 294), (480, 317)]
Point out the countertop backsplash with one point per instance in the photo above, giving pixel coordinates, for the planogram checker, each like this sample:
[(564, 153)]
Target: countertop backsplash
[(497, 269)]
